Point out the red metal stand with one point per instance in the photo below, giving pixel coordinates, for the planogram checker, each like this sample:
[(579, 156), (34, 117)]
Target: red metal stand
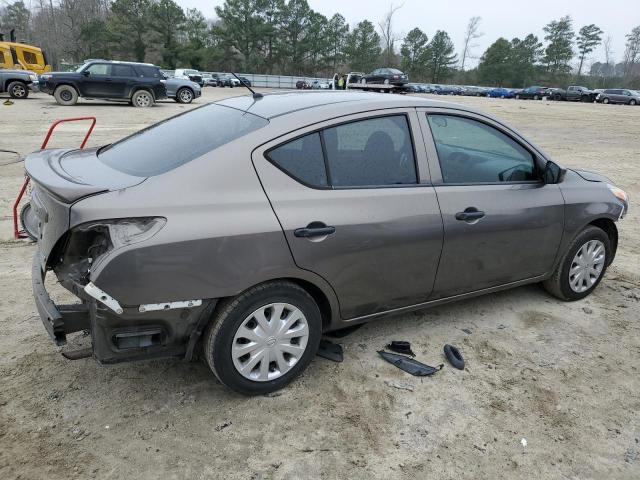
[(21, 233)]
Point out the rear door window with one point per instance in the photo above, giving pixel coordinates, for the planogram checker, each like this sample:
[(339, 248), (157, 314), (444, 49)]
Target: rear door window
[(302, 159), (122, 71), (372, 152), (178, 140), (470, 152)]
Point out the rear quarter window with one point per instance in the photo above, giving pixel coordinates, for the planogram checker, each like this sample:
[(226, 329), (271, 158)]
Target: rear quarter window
[(178, 140)]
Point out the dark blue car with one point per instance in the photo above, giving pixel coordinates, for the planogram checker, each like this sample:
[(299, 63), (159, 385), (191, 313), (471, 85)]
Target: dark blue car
[(501, 93)]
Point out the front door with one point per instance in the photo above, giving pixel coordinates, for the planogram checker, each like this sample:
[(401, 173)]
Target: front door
[(502, 224), (97, 81), (354, 200)]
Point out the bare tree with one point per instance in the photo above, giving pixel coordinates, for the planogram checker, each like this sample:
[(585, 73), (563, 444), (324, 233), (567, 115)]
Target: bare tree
[(389, 37), (470, 35), (608, 56)]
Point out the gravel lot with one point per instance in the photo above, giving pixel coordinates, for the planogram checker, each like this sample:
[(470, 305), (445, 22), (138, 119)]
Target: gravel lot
[(563, 376)]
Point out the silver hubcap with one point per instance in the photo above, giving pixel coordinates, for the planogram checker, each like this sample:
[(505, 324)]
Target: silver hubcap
[(143, 100), (19, 91), (586, 266), (185, 95), (269, 342)]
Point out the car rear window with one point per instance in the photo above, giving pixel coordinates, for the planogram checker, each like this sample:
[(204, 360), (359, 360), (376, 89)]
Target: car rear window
[(178, 140)]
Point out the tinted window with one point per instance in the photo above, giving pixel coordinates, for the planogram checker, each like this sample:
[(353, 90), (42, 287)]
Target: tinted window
[(302, 159), (472, 152), (146, 71), (179, 140), (2, 60), (371, 152), (122, 71), (98, 69), (30, 57)]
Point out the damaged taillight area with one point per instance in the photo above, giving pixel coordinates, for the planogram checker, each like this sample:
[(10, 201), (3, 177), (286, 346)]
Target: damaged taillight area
[(85, 245)]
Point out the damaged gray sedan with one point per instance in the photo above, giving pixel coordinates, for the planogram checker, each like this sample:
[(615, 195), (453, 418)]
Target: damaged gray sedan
[(245, 229)]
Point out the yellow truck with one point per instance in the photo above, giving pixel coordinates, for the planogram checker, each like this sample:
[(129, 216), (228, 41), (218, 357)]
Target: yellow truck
[(16, 55)]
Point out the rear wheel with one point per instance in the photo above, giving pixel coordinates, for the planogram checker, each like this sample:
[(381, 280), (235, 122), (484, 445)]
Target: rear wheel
[(66, 95), (582, 267), (18, 90), (142, 99), (535, 97), (261, 340)]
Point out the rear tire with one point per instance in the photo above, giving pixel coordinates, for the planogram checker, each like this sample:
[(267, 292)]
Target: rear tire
[(142, 99), (66, 95), (223, 339), (18, 90), (560, 283)]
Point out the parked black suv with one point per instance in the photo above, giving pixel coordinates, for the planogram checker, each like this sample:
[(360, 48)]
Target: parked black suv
[(139, 83)]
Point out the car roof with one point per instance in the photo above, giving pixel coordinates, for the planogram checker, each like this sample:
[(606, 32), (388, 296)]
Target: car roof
[(273, 105)]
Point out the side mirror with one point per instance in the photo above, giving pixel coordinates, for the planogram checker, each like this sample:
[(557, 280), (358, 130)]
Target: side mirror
[(85, 73), (553, 173)]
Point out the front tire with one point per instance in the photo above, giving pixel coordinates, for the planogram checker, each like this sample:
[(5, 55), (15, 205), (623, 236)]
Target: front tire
[(184, 95), (582, 266), (66, 95), (18, 90), (632, 102), (261, 340)]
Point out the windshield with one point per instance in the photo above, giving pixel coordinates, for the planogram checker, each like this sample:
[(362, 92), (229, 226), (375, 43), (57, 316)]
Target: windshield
[(178, 140)]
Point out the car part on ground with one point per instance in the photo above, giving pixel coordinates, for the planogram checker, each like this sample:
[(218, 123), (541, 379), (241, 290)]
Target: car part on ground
[(401, 346), (410, 365), (454, 356), (290, 239), (330, 351)]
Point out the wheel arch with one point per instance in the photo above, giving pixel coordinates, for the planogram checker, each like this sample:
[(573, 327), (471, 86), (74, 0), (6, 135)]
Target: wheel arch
[(5, 87), (143, 87), (609, 227)]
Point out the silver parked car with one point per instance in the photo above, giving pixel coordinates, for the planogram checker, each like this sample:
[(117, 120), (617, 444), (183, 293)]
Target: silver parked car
[(246, 228), (614, 95), (182, 90)]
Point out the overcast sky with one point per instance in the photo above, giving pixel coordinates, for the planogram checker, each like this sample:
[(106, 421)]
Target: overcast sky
[(499, 18)]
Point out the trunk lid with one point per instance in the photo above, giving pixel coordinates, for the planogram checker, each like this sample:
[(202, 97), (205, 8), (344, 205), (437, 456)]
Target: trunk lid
[(61, 178)]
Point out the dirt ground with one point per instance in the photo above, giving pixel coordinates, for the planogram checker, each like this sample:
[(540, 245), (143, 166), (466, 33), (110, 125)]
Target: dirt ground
[(563, 376)]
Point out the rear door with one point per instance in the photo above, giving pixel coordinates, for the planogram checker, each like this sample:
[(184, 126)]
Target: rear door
[(502, 224), (122, 77), (354, 200)]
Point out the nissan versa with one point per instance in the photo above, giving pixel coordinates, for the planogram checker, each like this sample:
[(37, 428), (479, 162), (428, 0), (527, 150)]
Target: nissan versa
[(246, 228)]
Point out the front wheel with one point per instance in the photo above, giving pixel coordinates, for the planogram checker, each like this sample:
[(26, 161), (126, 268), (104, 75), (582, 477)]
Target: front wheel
[(632, 102), (66, 95), (18, 90), (582, 267), (261, 340), (184, 95)]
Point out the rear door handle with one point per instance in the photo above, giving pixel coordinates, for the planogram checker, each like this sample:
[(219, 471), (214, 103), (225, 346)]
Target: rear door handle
[(314, 229), (470, 214)]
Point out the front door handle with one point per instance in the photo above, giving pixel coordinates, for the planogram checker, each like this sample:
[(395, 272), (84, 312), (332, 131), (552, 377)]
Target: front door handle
[(470, 214), (314, 229)]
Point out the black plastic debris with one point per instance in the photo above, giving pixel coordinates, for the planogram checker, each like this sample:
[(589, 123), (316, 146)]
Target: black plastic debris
[(401, 346), (409, 364), (454, 356), (330, 351)]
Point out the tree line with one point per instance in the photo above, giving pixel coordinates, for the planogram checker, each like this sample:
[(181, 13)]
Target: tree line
[(288, 37)]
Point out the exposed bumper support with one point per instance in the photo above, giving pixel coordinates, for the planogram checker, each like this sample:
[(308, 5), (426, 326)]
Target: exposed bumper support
[(58, 320)]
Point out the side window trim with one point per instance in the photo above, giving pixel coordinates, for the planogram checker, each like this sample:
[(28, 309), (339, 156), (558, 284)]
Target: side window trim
[(434, 159), (405, 113)]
